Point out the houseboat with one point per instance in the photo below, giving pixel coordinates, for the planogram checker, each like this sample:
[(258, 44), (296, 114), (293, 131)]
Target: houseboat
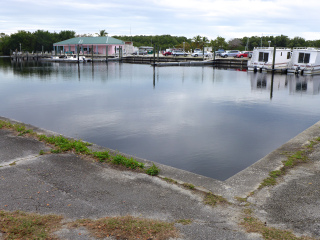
[(305, 61), (262, 59)]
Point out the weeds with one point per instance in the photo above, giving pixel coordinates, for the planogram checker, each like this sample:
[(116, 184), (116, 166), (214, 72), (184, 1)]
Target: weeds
[(19, 225), (254, 225), (170, 180), (129, 227), (62, 144), (213, 200), (153, 170), (128, 162), (294, 159), (189, 185), (102, 156)]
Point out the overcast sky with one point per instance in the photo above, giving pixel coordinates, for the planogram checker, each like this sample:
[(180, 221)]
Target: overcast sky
[(210, 18)]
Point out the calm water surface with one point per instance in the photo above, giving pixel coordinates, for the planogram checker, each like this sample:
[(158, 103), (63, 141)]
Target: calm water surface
[(208, 121)]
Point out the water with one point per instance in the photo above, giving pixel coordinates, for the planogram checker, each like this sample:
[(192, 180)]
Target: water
[(208, 121)]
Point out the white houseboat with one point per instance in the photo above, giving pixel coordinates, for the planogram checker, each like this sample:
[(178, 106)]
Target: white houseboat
[(305, 61), (262, 58)]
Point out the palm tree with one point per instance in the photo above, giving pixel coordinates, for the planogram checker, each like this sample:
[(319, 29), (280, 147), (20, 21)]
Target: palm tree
[(103, 33)]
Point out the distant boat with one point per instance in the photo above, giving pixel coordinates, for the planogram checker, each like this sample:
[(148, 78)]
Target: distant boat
[(305, 61), (70, 58), (262, 58)]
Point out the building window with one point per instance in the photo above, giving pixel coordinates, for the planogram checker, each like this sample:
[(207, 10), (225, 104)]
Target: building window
[(263, 57), (304, 58)]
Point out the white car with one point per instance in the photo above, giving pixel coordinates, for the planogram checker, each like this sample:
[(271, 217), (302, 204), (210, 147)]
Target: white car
[(230, 53), (200, 54), (179, 53)]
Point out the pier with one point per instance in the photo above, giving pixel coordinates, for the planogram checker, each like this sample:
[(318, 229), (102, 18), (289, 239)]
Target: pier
[(158, 61)]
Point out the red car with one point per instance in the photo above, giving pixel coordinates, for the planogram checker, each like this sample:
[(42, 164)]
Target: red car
[(167, 53), (244, 54)]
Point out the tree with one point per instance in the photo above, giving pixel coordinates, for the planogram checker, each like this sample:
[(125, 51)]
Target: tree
[(235, 43), (219, 43), (102, 33)]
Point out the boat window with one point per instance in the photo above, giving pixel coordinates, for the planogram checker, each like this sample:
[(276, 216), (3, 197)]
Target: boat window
[(288, 55), (281, 54), (263, 57), (304, 58)]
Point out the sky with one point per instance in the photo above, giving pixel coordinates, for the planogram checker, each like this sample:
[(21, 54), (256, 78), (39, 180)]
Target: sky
[(210, 18)]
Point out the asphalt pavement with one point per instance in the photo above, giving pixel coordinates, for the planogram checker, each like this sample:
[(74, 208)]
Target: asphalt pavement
[(76, 187)]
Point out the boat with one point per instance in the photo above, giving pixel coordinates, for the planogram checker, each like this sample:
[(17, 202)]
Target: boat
[(67, 58), (262, 59), (305, 61)]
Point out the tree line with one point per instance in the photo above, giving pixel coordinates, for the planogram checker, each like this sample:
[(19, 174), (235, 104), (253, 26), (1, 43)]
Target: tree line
[(41, 40)]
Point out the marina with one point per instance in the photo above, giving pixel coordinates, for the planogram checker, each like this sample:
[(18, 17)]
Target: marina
[(194, 118)]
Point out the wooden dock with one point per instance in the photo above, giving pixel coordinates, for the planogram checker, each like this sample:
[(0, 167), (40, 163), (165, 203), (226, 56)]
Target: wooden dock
[(155, 61)]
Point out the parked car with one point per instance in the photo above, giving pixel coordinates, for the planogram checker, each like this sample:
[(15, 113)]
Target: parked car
[(140, 52), (218, 52), (179, 53), (168, 53), (200, 54), (230, 53), (244, 54)]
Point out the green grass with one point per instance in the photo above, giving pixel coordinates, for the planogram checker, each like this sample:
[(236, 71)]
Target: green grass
[(153, 170), (62, 144), (212, 199), (254, 225), (293, 160), (189, 185), (128, 162)]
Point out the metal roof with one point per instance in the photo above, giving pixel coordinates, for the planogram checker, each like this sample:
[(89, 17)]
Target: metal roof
[(90, 41)]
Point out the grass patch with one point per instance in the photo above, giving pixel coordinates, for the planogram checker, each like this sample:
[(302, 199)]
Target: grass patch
[(102, 156), (153, 170), (62, 144), (213, 200), (184, 221), (129, 227), (293, 160), (170, 180), (20, 225), (254, 225), (189, 185), (128, 162)]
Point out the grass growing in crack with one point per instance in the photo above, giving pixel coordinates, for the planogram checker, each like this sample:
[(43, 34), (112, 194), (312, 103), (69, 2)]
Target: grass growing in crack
[(102, 156), (212, 199), (189, 185), (128, 162), (170, 180), (63, 144), (153, 170), (294, 159), (129, 227), (20, 225), (254, 225)]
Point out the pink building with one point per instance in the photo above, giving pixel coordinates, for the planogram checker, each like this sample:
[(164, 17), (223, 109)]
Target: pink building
[(87, 45)]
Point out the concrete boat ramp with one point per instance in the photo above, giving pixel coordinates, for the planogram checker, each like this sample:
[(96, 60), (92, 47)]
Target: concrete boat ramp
[(76, 187)]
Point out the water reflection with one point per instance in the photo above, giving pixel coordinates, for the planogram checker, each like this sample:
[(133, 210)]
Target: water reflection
[(209, 121)]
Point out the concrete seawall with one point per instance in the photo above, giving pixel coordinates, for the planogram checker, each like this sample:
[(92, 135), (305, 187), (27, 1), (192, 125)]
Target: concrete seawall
[(95, 189)]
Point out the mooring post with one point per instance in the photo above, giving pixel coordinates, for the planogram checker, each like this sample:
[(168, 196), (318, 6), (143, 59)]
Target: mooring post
[(78, 51), (154, 54), (274, 58), (92, 53), (107, 48), (158, 52)]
